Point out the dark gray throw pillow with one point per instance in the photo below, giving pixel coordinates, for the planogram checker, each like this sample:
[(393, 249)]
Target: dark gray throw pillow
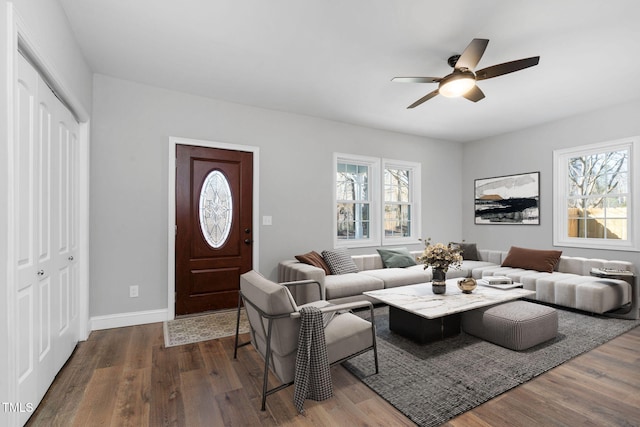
[(396, 258), (469, 251), (339, 261)]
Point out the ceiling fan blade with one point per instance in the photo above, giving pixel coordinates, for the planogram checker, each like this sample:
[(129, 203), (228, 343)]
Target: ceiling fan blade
[(472, 54), (424, 98), (506, 68), (474, 94), (416, 79)]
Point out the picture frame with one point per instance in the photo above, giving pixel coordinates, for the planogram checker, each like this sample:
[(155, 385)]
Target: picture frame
[(508, 199)]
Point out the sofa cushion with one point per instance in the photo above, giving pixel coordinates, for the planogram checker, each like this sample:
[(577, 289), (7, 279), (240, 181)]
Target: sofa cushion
[(504, 271), (315, 259), (456, 273), (396, 258), (583, 266), (495, 257), (368, 262), (338, 347), (532, 259), (600, 295), (587, 293), (530, 280), (474, 268), (345, 285), (340, 344), (546, 286), (393, 277), (339, 261), (469, 251)]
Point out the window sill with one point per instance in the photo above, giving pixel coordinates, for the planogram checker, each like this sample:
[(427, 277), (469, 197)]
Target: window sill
[(598, 245)]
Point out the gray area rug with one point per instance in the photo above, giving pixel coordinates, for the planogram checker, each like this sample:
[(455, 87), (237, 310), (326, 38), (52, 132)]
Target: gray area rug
[(433, 383), (219, 324)]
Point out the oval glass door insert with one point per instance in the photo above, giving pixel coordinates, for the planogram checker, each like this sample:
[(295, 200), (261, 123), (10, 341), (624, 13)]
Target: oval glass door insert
[(216, 209)]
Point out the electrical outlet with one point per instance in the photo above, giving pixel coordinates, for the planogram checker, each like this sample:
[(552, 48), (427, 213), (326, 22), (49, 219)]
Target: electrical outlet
[(133, 291)]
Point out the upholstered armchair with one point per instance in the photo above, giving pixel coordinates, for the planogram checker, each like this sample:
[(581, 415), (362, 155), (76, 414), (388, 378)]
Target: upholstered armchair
[(274, 320)]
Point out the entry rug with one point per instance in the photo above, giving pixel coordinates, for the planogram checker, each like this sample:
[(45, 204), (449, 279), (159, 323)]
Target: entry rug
[(204, 327), (433, 383)]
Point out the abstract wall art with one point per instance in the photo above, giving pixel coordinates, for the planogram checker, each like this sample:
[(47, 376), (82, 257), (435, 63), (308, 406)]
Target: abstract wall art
[(511, 199)]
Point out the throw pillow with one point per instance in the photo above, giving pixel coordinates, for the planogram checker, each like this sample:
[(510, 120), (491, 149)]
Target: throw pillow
[(396, 258), (532, 259), (315, 259), (469, 251), (339, 261)]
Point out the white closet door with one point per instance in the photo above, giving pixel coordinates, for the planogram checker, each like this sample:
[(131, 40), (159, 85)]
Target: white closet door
[(66, 238), (45, 195)]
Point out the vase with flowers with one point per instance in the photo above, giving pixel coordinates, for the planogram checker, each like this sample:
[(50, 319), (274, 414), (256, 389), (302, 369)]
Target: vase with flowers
[(440, 257)]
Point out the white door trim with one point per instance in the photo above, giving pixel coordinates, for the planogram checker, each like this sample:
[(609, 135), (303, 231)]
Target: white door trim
[(171, 229)]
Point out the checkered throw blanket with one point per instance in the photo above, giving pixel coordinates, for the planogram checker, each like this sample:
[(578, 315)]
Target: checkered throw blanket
[(313, 375)]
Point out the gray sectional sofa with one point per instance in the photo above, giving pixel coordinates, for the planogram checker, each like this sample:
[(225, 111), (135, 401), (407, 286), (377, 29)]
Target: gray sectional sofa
[(570, 284)]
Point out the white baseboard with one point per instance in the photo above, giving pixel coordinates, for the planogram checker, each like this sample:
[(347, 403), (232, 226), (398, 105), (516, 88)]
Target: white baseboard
[(121, 320)]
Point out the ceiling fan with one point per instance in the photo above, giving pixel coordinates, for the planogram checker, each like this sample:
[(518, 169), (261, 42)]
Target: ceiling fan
[(462, 81)]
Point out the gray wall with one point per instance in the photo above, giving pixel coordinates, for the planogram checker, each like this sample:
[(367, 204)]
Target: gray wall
[(132, 124), (531, 150), (47, 24)]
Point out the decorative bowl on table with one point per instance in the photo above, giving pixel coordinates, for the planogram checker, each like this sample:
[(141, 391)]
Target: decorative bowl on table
[(467, 285)]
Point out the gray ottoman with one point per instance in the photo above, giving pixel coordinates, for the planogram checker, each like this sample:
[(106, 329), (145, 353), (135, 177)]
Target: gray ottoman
[(517, 325)]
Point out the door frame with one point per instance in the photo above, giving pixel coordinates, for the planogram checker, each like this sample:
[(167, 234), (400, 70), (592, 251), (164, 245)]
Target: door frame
[(171, 228), (20, 37)]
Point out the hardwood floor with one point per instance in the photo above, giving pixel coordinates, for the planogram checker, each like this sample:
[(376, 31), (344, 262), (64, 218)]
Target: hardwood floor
[(126, 377)]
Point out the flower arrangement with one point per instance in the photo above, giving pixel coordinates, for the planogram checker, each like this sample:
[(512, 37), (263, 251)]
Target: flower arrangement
[(441, 256)]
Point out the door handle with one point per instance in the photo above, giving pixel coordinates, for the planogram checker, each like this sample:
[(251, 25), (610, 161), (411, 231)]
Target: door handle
[(247, 241), (247, 230), (71, 258), (40, 272)]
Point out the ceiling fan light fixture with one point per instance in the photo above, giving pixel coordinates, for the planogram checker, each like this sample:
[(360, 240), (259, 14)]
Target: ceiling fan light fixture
[(457, 84)]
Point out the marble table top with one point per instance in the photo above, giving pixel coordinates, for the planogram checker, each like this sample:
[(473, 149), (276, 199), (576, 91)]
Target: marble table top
[(418, 299)]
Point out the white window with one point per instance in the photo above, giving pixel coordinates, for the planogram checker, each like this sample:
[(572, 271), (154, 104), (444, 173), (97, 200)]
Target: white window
[(401, 210), (594, 203), (357, 200), (374, 208)]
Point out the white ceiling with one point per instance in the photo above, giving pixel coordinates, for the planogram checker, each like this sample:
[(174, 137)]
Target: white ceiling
[(335, 58)]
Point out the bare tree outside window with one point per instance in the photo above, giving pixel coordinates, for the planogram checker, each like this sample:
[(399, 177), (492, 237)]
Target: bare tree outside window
[(397, 207), (598, 195), (352, 193)]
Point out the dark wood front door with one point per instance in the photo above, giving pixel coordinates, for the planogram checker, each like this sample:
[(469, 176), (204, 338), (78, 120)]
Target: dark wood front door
[(214, 194)]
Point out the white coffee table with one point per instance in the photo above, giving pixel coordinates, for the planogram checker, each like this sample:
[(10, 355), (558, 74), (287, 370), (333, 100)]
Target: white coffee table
[(419, 314)]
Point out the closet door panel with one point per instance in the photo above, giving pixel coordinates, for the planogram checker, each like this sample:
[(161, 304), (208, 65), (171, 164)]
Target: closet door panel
[(45, 214)]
